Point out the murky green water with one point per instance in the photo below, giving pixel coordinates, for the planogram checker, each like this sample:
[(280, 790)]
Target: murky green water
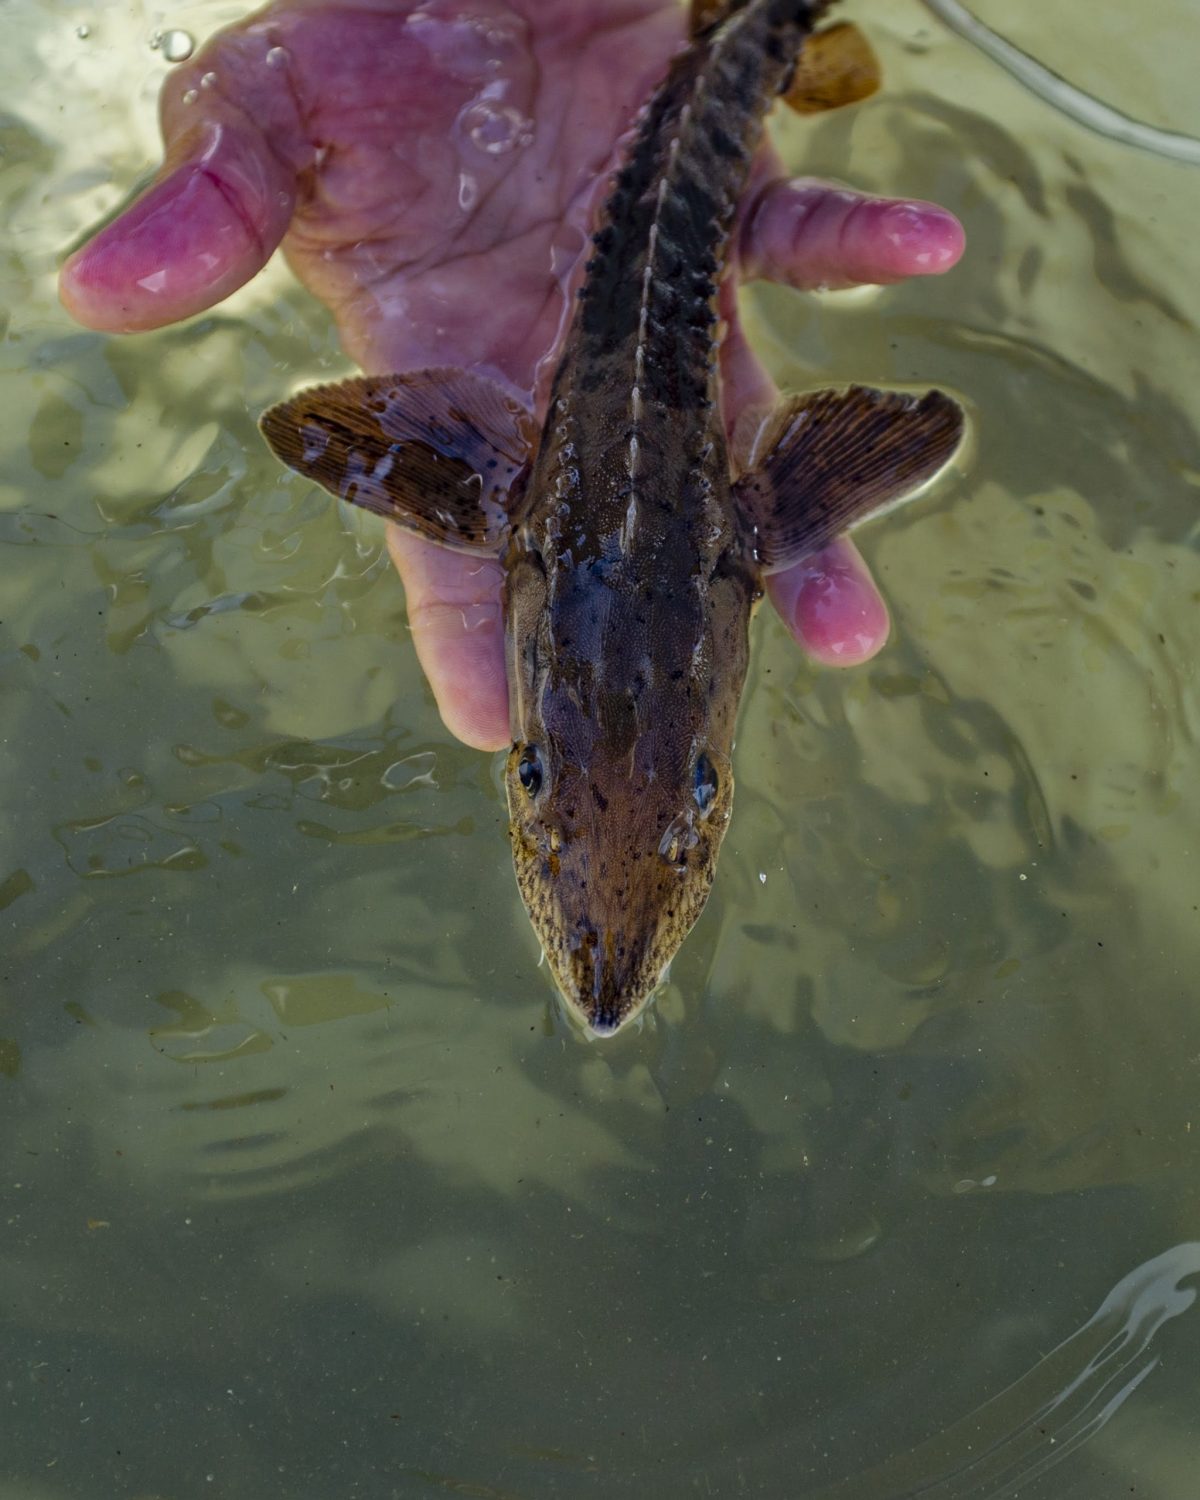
[(306, 1189)]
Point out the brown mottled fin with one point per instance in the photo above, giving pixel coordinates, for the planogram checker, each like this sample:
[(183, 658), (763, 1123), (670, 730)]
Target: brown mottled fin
[(830, 459), (836, 66), (439, 451)]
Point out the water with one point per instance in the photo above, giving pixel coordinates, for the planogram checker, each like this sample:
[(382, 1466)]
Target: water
[(308, 1190)]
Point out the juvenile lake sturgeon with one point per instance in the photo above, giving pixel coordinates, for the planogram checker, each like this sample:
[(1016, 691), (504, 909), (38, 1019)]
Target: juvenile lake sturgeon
[(633, 555)]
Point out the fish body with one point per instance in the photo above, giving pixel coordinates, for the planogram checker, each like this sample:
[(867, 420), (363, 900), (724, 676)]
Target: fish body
[(633, 554), (631, 580)]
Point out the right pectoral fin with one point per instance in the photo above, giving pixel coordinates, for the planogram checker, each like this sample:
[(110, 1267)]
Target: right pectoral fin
[(830, 459), (438, 451)]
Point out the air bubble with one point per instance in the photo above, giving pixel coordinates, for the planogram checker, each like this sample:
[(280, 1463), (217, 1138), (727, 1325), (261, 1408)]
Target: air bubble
[(496, 128), (83, 32), (277, 57), (176, 45), (191, 96), (207, 80)]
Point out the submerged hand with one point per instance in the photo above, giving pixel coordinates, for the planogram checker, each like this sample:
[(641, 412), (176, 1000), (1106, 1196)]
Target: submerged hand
[(432, 170)]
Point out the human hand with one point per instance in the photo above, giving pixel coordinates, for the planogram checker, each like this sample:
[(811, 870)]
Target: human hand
[(431, 171)]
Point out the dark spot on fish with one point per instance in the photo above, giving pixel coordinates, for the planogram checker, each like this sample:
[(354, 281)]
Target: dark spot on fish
[(723, 143), (599, 798)]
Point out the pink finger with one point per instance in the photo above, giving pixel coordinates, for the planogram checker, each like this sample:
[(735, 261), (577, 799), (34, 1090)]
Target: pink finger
[(455, 614), (208, 224), (828, 601), (748, 392), (810, 234), (831, 606), (236, 148)]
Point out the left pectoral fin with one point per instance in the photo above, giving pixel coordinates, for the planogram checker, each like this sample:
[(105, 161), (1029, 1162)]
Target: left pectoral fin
[(830, 459), (438, 451)]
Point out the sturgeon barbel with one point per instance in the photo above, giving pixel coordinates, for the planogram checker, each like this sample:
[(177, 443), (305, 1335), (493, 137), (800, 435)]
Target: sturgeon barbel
[(633, 554)]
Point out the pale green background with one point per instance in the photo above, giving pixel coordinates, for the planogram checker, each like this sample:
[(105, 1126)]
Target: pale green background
[(306, 1188)]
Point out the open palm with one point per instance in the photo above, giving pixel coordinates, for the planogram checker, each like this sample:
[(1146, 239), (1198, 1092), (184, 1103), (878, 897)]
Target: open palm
[(432, 171)]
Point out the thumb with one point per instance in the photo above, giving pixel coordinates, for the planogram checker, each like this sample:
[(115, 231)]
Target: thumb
[(209, 221)]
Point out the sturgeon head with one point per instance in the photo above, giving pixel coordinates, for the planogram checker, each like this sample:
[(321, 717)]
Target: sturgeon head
[(620, 782)]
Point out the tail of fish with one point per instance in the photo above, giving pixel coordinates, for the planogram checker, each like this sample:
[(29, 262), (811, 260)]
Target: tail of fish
[(706, 14), (664, 238), (836, 66)]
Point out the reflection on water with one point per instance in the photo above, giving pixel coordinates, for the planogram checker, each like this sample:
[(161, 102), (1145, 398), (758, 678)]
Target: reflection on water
[(1092, 113), (308, 1189), (1040, 1420)]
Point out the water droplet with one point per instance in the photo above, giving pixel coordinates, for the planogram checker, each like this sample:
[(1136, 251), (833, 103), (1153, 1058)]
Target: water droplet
[(156, 38), (496, 128), (207, 80), (191, 96), (277, 57), (468, 192), (83, 32), (177, 45)]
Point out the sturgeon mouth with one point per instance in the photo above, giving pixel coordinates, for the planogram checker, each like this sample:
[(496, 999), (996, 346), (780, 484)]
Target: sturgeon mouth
[(607, 1001)]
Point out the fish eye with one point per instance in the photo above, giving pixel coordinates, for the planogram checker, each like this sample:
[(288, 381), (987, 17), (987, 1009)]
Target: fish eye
[(705, 785), (529, 770)]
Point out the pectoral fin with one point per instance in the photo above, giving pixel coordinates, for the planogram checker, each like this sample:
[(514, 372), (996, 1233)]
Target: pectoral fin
[(836, 66), (830, 459), (439, 451)]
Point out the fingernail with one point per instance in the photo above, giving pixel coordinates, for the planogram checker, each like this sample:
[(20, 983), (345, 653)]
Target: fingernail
[(833, 608), (924, 238)]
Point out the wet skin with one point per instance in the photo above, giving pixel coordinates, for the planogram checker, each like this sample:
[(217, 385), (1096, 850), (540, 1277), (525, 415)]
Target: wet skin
[(346, 150)]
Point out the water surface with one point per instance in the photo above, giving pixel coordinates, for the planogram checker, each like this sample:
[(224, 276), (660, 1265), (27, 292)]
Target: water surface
[(307, 1188)]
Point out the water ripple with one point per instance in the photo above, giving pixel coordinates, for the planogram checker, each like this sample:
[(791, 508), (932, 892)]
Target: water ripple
[(1056, 1407), (1081, 106)]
